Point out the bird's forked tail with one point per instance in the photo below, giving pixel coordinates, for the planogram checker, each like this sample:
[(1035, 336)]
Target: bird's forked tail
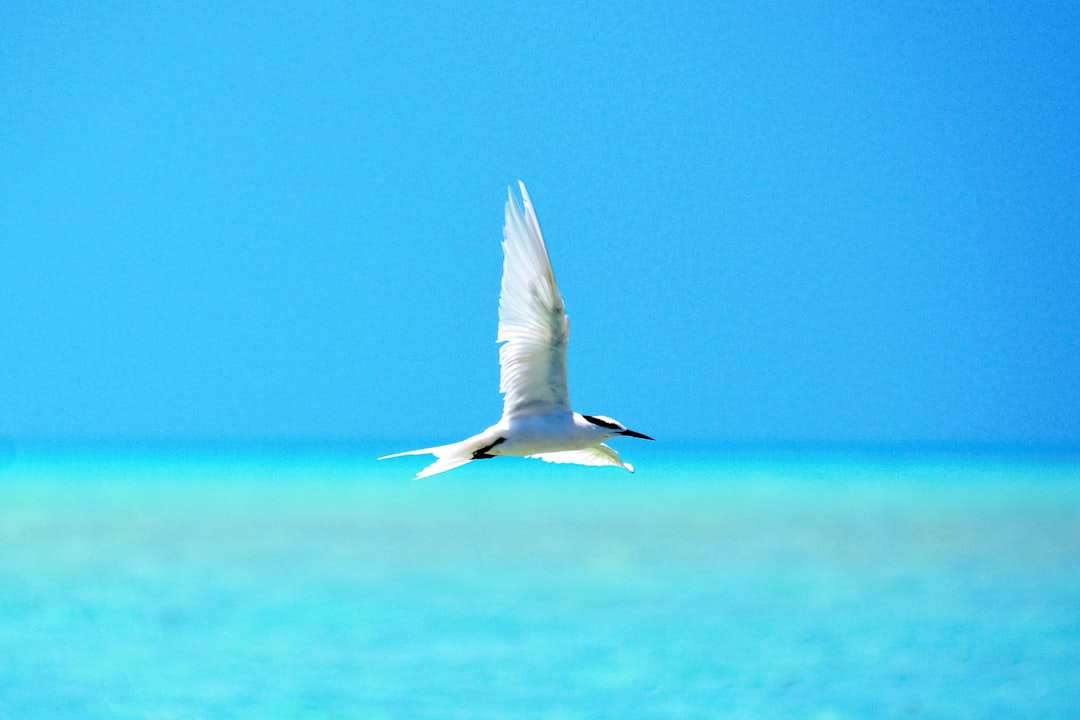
[(449, 457)]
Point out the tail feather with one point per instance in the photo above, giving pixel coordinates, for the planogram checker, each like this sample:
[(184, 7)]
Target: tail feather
[(448, 457), (442, 465)]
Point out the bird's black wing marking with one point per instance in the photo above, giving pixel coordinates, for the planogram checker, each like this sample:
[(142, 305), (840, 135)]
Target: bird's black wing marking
[(482, 453)]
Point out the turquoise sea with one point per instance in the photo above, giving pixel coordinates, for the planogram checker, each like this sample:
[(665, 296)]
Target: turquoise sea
[(311, 581)]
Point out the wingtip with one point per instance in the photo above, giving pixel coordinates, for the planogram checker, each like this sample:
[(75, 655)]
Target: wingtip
[(521, 188), (524, 194), (513, 205)]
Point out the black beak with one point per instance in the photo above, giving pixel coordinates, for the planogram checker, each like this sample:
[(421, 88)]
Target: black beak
[(631, 433)]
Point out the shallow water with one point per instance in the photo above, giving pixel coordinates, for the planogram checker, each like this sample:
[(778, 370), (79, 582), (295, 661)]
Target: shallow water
[(288, 582)]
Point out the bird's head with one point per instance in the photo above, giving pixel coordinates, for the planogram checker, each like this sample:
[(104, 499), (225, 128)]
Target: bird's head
[(612, 427)]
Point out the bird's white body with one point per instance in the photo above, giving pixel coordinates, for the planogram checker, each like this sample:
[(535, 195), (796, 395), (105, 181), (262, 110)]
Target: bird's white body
[(537, 420)]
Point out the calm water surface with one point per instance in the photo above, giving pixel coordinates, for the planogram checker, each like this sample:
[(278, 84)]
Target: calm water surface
[(313, 583)]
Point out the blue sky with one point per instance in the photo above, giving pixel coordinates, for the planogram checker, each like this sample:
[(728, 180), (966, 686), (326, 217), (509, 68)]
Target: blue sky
[(768, 221)]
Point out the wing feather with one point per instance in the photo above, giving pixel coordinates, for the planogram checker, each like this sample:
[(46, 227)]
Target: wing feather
[(599, 455), (533, 327)]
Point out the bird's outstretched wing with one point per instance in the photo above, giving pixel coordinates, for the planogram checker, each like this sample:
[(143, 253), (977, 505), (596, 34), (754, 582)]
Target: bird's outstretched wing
[(599, 455), (532, 320)]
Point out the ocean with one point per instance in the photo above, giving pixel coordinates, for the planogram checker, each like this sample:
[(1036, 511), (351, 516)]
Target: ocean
[(312, 581)]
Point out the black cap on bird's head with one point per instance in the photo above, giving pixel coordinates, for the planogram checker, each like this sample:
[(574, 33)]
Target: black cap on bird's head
[(615, 426)]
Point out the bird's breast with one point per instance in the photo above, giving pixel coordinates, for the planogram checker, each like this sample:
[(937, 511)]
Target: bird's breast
[(536, 434)]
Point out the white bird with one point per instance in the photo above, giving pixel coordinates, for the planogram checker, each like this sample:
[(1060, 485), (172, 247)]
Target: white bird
[(537, 420)]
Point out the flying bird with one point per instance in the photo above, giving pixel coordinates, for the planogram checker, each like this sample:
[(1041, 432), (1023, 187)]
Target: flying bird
[(537, 420)]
